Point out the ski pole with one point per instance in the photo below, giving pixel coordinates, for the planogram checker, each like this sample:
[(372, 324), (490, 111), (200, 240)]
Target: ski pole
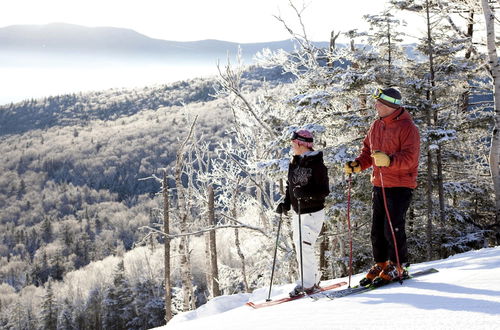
[(300, 249), (349, 226), (274, 260), (390, 226)]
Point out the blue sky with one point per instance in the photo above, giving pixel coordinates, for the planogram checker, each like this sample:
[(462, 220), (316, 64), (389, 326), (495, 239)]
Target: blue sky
[(185, 20)]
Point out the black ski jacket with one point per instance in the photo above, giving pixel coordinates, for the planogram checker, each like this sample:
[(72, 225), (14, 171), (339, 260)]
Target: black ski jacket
[(307, 176)]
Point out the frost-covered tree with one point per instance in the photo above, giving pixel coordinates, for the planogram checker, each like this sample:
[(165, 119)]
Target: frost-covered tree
[(118, 301), (149, 306), (166, 249), (211, 248), (441, 80), (94, 309), (49, 309), (184, 217), (65, 317), (494, 67), (385, 35), (236, 191)]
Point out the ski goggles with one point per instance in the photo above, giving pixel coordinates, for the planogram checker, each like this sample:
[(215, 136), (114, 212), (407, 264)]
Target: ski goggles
[(296, 136), (378, 94)]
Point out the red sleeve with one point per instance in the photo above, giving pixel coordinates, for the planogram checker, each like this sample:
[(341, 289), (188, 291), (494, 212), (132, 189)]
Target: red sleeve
[(364, 158)]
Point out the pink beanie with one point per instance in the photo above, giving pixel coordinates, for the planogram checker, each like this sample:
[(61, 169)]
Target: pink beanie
[(303, 137)]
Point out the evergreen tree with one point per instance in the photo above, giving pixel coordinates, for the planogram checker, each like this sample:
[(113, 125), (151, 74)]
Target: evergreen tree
[(48, 312), (149, 305), (436, 86), (47, 232), (118, 301), (40, 271), (94, 309), (65, 318)]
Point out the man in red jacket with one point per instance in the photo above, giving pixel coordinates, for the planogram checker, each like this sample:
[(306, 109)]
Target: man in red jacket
[(392, 148)]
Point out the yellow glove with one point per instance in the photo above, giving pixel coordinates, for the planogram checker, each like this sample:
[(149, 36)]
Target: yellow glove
[(352, 167), (381, 159)]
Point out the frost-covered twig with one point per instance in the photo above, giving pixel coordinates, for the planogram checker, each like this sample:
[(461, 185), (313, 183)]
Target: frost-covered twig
[(230, 81), (303, 40), (200, 231), (244, 225), (257, 184)]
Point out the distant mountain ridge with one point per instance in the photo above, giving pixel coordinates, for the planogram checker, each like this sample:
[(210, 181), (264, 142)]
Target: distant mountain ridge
[(70, 38)]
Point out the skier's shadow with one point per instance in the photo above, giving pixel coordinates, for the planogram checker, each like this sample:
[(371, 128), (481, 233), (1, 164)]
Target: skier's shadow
[(426, 300), (452, 288)]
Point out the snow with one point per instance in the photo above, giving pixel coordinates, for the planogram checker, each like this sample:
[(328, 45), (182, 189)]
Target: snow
[(465, 294)]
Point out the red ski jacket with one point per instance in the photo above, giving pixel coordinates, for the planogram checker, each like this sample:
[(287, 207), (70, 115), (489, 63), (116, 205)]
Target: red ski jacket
[(397, 136)]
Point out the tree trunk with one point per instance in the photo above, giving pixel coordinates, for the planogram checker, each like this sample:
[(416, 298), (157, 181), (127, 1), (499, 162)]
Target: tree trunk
[(494, 158), (430, 210), (183, 209), (260, 201), (429, 117), (208, 265), (214, 270), (166, 260), (237, 241), (411, 220), (389, 53), (333, 38), (242, 258), (440, 183), (342, 249), (470, 32), (189, 302)]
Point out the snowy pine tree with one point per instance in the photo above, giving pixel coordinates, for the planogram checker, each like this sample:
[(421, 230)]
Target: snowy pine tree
[(49, 310), (94, 309), (118, 301), (65, 317), (149, 306)]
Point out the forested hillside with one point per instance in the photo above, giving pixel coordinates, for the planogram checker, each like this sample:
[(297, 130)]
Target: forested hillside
[(72, 182)]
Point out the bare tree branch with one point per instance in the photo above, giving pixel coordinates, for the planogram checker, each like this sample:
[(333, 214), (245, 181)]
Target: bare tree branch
[(258, 185), (201, 231), (231, 82), (245, 225), (303, 40)]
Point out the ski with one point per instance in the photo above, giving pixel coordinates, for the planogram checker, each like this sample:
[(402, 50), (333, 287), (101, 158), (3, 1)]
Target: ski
[(360, 289), (341, 293), (286, 299)]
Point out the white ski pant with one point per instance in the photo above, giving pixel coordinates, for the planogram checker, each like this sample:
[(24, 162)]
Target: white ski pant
[(311, 227)]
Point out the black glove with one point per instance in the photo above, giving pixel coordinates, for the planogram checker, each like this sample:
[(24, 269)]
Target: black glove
[(281, 208), (299, 193)]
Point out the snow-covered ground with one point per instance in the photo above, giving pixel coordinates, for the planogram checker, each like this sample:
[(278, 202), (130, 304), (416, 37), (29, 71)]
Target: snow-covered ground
[(465, 294)]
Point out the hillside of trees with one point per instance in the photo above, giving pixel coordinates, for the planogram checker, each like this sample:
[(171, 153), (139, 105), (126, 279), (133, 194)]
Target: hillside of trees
[(82, 220), (73, 187)]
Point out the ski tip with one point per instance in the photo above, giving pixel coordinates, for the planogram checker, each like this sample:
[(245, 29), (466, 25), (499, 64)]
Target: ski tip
[(251, 304), (427, 271)]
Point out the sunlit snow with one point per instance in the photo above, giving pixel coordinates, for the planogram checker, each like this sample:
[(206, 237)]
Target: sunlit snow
[(465, 294)]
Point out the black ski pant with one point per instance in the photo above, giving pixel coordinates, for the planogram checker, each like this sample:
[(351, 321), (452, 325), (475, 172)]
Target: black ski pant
[(398, 201)]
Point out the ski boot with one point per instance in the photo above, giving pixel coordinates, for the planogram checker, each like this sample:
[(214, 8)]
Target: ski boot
[(373, 273), (298, 291), (391, 273)]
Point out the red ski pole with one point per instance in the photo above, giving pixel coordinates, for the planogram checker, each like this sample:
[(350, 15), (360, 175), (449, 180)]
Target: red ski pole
[(390, 226)]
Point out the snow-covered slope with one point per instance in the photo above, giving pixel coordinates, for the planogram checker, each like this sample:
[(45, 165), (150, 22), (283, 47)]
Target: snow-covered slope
[(465, 294)]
